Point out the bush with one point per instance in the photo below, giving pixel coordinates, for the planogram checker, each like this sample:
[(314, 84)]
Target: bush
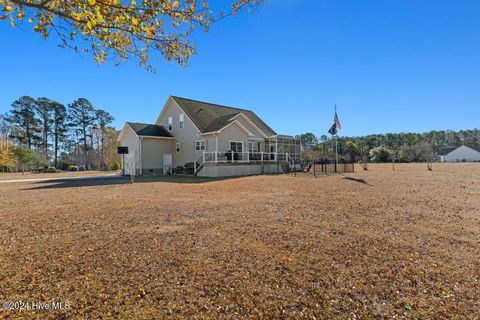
[(116, 166), (178, 170), (63, 165), (51, 170), (72, 168), (189, 167), (81, 168)]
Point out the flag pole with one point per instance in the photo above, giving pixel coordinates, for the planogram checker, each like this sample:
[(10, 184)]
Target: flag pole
[(336, 147)]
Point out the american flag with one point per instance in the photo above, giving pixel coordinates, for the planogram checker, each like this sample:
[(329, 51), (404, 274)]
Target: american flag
[(336, 124), (337, 121)]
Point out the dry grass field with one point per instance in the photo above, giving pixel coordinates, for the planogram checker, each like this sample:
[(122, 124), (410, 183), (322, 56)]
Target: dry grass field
[(373, 244)]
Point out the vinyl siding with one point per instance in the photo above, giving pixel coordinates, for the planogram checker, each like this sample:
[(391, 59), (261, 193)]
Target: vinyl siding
[(131, 140), (232, 133), (153, 151), (186, 136)]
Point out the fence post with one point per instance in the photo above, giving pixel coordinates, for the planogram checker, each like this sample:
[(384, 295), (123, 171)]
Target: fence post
[(261, 159)]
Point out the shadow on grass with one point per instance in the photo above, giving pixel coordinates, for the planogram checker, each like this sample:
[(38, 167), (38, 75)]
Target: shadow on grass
[(118, 180), (363, 181), (179, 178), (76, 182)]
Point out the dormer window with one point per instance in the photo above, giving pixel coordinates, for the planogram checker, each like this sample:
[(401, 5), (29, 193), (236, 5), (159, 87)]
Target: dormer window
[(170, 123), (181, 120)]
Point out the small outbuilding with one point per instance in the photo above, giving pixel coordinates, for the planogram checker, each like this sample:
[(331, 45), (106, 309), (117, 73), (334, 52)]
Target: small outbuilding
[(459, 154)]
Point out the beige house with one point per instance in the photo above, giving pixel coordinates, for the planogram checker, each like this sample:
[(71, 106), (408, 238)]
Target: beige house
[(208, 140)]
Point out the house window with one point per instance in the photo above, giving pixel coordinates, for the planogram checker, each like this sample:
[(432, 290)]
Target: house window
[(170, 123), (199, 145), (254, 147), (236, 146), (181, 122), (178, 147)]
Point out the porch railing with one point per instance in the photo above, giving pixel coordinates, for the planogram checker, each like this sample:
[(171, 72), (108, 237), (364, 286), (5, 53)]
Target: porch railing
[(243, 157), (214, 157)]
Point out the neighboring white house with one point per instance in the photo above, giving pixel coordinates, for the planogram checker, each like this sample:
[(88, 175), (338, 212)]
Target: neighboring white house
[(213, 140), (459, 154)]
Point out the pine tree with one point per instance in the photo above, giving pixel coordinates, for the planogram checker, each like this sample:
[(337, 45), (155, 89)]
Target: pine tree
[(82, 116), (103, 119), (59, 127), (44, 108), (23, 119)]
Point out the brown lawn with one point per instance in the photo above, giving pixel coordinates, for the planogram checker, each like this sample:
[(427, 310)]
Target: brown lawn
[(376, 244)]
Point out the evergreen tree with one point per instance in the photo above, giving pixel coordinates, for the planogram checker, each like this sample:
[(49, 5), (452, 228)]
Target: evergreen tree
[(59, 127), (103, 119), (81, 114), (23, 119), (25, 156), (44, 108)]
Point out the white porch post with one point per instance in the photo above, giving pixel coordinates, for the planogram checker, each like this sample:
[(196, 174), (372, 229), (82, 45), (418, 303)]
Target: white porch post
[(216, 148), (276, 148), (140, 155)]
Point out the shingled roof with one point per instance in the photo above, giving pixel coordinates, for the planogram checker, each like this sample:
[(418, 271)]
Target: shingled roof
[(209, 117), (446, 150), (152, 130)]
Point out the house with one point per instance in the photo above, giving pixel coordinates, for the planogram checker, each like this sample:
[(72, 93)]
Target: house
[(459, 154), (210, 139)]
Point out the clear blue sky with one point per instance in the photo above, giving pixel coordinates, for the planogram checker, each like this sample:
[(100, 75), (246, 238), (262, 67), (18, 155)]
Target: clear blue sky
[(390, 66)]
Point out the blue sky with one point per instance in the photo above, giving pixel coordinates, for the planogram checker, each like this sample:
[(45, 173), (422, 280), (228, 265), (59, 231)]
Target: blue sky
[(390, 66)]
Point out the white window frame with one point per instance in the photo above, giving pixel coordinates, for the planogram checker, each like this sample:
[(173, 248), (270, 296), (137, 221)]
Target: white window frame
[(200, 145), (170, 123), (181, 120), (230, 144), (178, 147), (251, 144)]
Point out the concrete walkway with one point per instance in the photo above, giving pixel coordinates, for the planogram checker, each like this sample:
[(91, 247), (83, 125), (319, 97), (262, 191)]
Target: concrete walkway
[(60, 179)]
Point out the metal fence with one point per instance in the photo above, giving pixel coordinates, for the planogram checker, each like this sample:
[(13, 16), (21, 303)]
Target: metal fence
[(329, 167)]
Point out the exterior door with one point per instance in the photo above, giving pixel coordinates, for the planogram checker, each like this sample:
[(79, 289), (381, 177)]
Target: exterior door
[(237, 148), (167, 164), (272, 153)]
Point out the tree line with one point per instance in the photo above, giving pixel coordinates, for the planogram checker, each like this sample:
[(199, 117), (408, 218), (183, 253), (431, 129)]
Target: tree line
[(43, 133), (398, 147)]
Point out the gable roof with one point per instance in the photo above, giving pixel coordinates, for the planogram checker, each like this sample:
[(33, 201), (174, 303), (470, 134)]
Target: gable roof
[(220, 122), (209, 117), (447, 150), (152, 130)]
